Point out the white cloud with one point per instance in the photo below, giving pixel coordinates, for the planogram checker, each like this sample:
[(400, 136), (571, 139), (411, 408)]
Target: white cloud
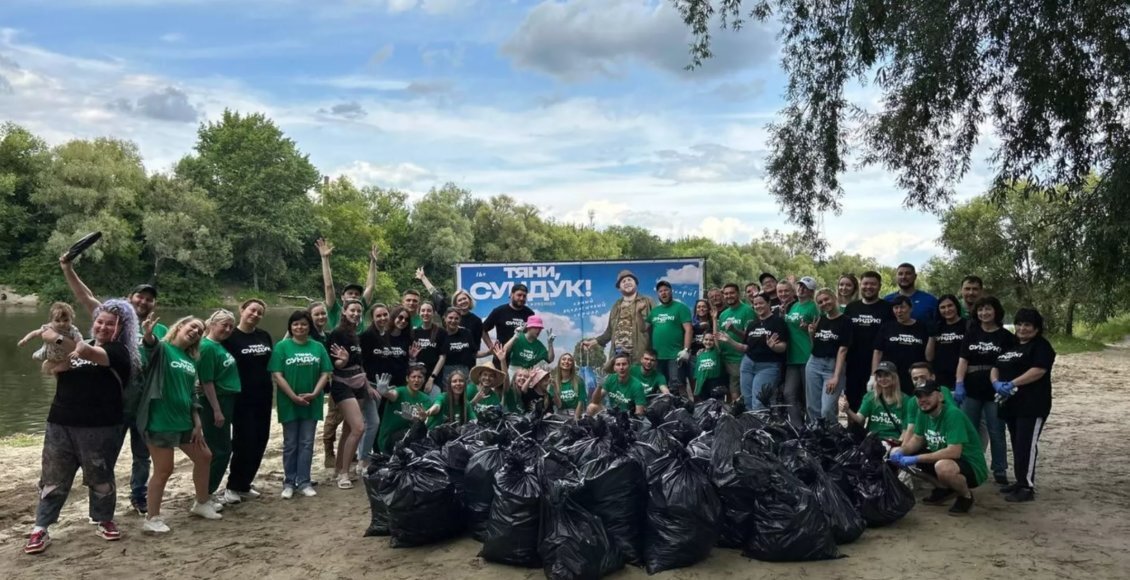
[(408, 176), (172, 37), (708, 162), (686, 275)]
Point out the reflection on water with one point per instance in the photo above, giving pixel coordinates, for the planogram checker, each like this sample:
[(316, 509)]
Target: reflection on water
[(26, 394)]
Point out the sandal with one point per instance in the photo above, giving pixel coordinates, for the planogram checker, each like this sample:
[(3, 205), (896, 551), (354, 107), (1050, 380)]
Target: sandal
[(344, 483)]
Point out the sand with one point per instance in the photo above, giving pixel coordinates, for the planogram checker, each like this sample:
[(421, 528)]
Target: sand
[(1079, 527)]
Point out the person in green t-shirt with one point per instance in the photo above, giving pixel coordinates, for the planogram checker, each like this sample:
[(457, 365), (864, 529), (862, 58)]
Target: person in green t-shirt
[(524, 350), (620, 390), (351, 291), (403, 405), (799, 316), (219, 383), (452, 406), (647, 373), (301, 368), (733, 321), (671, 333), (944, 445), (886, 411), (707, 369), (171, 418), (490, 388), (569, 392)]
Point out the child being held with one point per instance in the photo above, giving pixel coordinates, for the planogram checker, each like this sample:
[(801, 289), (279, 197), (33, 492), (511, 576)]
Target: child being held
[(53, 354)]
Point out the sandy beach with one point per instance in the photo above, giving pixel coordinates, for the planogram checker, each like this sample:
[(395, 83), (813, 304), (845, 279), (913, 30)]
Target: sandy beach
[(1079, 527)]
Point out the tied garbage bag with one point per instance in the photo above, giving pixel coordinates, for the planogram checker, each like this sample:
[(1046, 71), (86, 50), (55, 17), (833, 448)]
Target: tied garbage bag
[(844, 518), (683, 513), (872, 486), (478, 490), (422, 504), (375, 477), (735, 492), (615, 489), (788, 524), (573, 543), (515, 514)]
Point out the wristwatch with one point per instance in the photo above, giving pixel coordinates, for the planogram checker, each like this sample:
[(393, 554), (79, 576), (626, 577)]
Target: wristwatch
[(59, 340)]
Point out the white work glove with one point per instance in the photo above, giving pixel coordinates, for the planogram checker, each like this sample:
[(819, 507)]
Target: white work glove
[(684, 355), (382, 383)]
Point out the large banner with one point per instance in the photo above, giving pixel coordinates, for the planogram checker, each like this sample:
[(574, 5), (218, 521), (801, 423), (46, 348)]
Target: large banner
[(573, 298)]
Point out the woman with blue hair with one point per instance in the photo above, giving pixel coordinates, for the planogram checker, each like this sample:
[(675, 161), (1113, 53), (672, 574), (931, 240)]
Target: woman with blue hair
[(85, 422)]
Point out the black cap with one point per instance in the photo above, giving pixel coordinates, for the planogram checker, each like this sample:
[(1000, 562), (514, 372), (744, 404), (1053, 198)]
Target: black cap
[(145, 288), (887, 367), (765, 275), (927, 388), (359, 288), (662, 283)]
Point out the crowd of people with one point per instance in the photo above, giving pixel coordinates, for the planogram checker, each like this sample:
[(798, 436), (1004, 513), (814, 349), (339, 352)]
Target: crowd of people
[(924, 374)]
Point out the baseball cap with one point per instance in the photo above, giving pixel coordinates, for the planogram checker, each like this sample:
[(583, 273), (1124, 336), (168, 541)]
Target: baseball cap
[(534, 322), (359, 288), (887, 367), (765, 275), (927, 388), (662, 283), (145, 288), (808, 282)]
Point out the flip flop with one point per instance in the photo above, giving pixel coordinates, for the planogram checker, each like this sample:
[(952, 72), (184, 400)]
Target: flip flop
[(81, 246)]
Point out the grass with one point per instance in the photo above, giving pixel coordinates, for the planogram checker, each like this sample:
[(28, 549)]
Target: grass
[(1074, 344), (21, 440), (1112, 331)]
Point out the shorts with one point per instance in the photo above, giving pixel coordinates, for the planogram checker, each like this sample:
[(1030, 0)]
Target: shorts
[(168, 439), (965, 467), (341, 392)]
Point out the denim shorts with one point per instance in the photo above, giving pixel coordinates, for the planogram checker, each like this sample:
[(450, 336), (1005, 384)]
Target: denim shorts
[(169, 439)]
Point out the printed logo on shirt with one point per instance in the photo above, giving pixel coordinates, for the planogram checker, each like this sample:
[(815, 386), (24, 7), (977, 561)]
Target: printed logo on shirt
[(515, 322), (303, 359), (459, 346), (866, 320), (905, 339), (707, 364), (256, 349), (826, 336), (617, 398), (395, 351), (935, 440), (229, 360), (77, 363), (950, 337), (759, 332), (568, 397), (663, 318), (1010, 356), (184, 366), (984, 347)]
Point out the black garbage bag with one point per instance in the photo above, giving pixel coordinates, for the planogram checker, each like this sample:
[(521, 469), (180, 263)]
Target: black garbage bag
[(422, 503), (478, 490), (844, 518), (615, 489), (736, 494), (709, 410), (441, 434), (871, 485), (683, 513), (701, 449), (788, 524), (515, 514), (573, 543), (375, 477), (415, 439)]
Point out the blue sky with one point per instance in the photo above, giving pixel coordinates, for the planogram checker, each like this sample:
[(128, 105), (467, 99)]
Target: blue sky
[(572, 105)]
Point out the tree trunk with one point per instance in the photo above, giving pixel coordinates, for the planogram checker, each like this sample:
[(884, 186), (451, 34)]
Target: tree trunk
[(255, 279), (156, 269), (1069, 319)]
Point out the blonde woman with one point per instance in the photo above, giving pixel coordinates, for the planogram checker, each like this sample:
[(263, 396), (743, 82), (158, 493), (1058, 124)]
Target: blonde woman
[(887, 411), (570, 397), (219, 382), (825, 373), (169, 419)]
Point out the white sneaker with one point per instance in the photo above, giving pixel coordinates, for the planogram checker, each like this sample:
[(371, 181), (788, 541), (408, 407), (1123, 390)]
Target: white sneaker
[(287, 492), (216, 506), (249, 494), (155, 525), (230, 497), (308, 491), (205, 511)]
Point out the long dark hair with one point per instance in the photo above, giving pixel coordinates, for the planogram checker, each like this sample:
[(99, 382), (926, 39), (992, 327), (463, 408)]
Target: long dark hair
[(457, 410), (393, 314), (694, 313)]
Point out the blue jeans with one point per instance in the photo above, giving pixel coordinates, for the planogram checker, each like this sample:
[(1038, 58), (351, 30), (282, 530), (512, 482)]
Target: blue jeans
[(298, 451), (372, 425), (987, 410), (139, 474), (755, 376), (820, 402), (673, 372)]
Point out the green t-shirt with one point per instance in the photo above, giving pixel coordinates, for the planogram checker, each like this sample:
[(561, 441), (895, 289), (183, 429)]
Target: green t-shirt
[(626, 396), (334, 316), (159, 331), (572, 393), (407, 403), (441, 417), (882, 423), (301, 365), (172, 413), (740, 316), (525, 354), (953, 427), (800, 315), (707, 366), (650, 381), (508, 402), (417, 322), (217, 366), (667, 322)]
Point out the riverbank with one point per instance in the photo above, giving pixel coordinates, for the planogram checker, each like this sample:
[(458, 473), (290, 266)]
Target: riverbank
[(1077, 528), (9, 297)]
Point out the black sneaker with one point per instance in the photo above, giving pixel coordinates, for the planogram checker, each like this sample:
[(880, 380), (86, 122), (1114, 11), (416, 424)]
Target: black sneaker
[(1021, 494), (1010, 487), (140, 505), (939, 496), (1000, 478), (961, 506)]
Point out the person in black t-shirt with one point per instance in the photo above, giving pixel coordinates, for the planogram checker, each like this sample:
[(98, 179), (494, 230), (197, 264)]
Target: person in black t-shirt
[(464, 304), (251, 347), (348, 387), (374, 359), (504, 319), (866, 317), (431, 341), (460, 345), (764, 344), (824, 374), (769, 291), (1022, 378), (901, 341), (944, 347), (983, 343), (85, 421)]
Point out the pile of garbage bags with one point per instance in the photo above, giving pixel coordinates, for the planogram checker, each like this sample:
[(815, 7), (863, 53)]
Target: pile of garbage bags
[(584, 498)]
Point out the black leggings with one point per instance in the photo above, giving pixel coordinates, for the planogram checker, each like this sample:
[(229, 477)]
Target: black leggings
[(1024, 433), (251, 429)]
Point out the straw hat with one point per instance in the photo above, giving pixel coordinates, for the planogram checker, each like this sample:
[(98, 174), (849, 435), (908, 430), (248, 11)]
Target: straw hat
[(478, 371)]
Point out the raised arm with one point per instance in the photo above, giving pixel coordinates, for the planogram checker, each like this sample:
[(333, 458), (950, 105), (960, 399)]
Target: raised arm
[(371, 278), (325, 250), (82, 293)]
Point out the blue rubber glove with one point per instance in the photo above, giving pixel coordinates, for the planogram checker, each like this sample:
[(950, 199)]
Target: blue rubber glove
[(896, 456), (908, 460), (1003, 388), (959, 392)]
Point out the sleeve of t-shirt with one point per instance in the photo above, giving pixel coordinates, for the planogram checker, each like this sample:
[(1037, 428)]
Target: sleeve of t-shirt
[(275, 365), (881, 337), (956, 433), (638, 397), (660, 380), (845, 335), (490, 321), (867, 406), (118, 356), (543, 352), (443, 343), (1043, 355), (779, 326), (206, 366), (326, 365), (965, 342)]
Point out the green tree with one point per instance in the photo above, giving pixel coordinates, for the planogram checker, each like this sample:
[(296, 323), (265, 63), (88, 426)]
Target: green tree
[(181, 225), (259, 181), (441, 235), (24, 158), (508, 231)]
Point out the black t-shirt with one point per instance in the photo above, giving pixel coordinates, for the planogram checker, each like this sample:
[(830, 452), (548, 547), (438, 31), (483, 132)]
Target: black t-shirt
[(474, 326), (374, 352), (947, 349), (348, 340), (532, 401), (700, 329), (396, 358), (903, 345), (461, 348), (1032, 399), (252, 353), (866, 321), (89, 395), (432, 343), (982, 348), (756, 334), (504, 319), (831, 335)]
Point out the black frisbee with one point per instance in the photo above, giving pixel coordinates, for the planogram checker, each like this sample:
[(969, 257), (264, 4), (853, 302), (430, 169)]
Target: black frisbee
[(83, 243)]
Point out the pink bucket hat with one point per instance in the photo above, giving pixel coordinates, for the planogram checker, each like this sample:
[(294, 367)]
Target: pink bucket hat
[(534, 322)]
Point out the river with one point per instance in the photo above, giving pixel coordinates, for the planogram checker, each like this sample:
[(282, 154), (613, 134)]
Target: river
[(26, 393)]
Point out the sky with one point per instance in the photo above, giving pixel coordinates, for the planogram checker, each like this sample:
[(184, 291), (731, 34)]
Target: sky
[(575, 106)]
